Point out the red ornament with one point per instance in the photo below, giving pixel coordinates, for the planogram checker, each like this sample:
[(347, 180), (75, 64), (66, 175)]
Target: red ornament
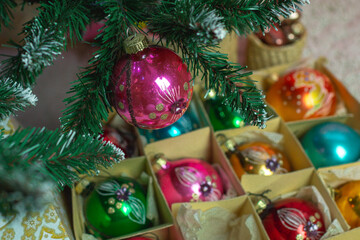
[(122, 140), (273, 37), (294, 219), (302, 94), (151, 87), (188, 180)]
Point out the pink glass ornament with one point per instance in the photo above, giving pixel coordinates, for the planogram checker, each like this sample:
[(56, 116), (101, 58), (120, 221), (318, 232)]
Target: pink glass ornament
[(92, 30), (188, 180), (151, 88)]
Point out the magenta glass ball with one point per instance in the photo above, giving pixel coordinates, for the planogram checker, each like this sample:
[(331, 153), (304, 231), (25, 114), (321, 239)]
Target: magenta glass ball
[(189, 180), (152, 88)]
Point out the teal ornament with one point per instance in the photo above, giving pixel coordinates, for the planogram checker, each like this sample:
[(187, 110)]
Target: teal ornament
[(331, 143), (115, 208)]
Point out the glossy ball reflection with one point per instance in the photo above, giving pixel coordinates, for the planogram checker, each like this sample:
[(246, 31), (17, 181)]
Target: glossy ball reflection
[(294, 218), (331, 143), (151, 88), (302, 94), (188, 180)]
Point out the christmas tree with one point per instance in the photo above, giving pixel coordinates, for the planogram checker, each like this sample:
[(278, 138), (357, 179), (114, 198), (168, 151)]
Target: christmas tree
[(32, 161)]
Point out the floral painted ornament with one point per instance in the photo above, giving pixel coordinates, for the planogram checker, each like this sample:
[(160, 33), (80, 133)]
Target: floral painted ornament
[(116, 207), (293, 219), (302, 94), (188, 180)]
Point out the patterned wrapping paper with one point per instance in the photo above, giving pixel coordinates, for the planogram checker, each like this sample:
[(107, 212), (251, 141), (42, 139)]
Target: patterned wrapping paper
[(49, 223)]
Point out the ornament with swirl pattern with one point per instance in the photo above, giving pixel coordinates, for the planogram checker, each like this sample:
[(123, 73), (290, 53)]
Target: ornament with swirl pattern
[(293, 219), (151, 85), (302, 94), (116, 207), (187, 180)]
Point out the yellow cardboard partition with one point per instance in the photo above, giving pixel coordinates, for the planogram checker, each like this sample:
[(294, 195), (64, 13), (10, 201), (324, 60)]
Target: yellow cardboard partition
[(199, 144), (131, 167), (292, 148)]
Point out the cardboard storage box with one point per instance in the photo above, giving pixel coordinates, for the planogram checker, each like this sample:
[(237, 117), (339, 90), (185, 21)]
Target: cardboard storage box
[(239, 205), (50, 222), (348, 103), (199, 144), (132, 167), (282, 184), (336, 176), (291, 147)]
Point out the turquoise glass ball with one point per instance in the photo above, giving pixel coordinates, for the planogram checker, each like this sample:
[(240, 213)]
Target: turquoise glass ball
[(331, 143)]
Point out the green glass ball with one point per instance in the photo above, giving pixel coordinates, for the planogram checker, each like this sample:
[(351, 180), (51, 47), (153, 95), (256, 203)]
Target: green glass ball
[(116, 207), (331, 143)]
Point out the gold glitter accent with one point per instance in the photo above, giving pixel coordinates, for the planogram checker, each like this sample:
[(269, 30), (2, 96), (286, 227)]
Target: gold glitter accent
[(214, 176), (121, 87), (124, 185), (121, 105), (132, 190), (317, 215), (312, 218), (214, 185), (319, 224), (111, 201), (118, 205), (195, 197), (186, 86), (208, 178), (152, 115), (164, 116), (299, 237), (111, 210), (159, 107)]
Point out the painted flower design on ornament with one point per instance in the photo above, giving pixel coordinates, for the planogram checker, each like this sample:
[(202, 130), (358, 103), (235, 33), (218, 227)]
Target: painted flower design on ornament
[(171, 95), (257, 156), (203, 189), (294, 220), (318, 98), (120, 198)]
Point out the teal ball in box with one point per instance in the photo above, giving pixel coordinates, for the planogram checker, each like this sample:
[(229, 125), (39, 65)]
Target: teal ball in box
[(331, 143)]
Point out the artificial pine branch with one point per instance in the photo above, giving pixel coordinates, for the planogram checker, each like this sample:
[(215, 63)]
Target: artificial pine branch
[(5, 12), (89, 103), (44, 39), (14, 97), (57, 158)]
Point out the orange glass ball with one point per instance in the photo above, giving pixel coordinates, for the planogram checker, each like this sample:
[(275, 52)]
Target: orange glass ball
[(348, 201), (258, 158), (302, 94)]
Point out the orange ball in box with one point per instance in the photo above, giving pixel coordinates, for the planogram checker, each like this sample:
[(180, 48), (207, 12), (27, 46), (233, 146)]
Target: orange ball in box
[(302, 94), (348, 201), (258, 158)]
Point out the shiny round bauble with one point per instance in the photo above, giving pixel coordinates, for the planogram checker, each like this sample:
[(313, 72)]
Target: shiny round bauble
[(302, 94), (151, 88), (188, 180), (221, 116), (187, 123), (348, 201), (116, 207), (124, 140), (331, 143), (273, 37), (258, 158), (295, 219)]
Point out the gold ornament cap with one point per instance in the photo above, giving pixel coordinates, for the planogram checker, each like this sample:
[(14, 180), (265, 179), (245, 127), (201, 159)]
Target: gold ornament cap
[(135, 43), (159, 162)]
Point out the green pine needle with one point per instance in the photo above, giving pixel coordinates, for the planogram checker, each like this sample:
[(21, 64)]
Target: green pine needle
[(14, 97), (5, 12)]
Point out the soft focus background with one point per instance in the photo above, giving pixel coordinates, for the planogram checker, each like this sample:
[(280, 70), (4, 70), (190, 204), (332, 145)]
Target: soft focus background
[(333, 31)]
